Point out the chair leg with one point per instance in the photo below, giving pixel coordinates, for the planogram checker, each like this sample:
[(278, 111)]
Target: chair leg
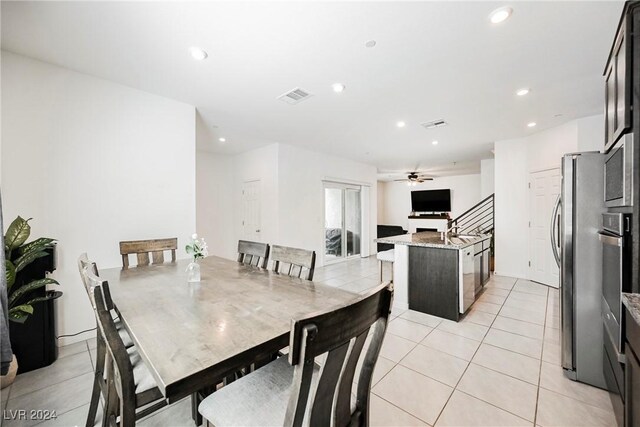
[(95, 400), (381, 270), (195, 402), (98, 382)]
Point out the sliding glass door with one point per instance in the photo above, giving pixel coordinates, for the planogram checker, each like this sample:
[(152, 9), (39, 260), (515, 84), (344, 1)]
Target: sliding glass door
[(342, 221)]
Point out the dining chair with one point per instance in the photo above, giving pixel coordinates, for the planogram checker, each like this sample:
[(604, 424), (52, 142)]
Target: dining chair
[(253, 253), (99, 382), (130, 385), (142, 249), (293, 261), (296, 391)]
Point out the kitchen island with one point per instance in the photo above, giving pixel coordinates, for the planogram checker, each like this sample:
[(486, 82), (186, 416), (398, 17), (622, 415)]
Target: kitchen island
[(439, 277)]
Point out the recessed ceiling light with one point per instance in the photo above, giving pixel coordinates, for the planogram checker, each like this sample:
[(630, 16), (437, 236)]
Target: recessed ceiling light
[(401, 124), (434, 142), (222, 139), (531, 124), (338, 87), (500, 15), (522, 92), (198, 53), (370, 43)]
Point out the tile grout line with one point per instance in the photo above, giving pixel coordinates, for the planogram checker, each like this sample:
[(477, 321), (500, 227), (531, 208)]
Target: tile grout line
[(467, 367), (544, 332), (406, 412)]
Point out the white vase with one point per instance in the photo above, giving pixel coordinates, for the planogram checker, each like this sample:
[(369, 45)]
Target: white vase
[(193, 272)]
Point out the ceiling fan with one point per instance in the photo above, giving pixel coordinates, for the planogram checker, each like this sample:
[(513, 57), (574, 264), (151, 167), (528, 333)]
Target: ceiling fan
[(414, 178)]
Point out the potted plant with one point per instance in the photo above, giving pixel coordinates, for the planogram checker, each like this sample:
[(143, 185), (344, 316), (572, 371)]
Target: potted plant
[(23, 292), (18, 255)]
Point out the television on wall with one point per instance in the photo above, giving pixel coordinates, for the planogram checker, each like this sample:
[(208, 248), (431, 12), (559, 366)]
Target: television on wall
[(431, 201)]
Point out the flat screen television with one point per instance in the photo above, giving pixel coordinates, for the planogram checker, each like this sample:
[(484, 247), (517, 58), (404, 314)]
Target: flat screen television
[(431, 201)]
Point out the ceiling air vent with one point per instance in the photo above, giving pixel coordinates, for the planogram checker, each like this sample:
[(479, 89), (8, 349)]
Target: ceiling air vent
[(294, 96), (433, 124)]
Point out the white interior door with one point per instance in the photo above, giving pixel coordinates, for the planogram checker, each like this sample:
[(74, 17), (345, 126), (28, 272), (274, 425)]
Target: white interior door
[(544, 188), (251, 210)]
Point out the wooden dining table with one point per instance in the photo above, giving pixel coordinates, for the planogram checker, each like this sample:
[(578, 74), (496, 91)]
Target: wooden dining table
[(192, 334)]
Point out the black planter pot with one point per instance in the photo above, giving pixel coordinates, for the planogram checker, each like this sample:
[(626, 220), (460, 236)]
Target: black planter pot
[(34, 341)]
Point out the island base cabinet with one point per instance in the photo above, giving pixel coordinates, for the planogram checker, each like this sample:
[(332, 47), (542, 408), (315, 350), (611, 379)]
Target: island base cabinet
[(631, 371), (632, 399), (434, 281)]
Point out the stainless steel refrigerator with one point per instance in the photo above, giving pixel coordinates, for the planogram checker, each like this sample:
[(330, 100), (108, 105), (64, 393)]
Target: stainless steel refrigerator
[(574, 237)]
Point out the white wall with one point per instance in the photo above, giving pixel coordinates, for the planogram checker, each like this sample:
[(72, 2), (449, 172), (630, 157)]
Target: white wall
[(261, 165), (214, 203), (465, 192), (514, 161), (381, 202), (301, 195), (93, 163), (591, 133), (487, 177), (511, 208), (292, 195)]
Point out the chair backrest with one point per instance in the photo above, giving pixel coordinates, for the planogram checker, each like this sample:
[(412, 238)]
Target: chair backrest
[(142, 248), (84, 264), (118, 358), (253, 253), (293, 261), (342, 333)]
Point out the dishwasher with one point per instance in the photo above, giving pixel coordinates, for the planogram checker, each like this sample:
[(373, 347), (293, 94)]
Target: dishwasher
[(467, 291)]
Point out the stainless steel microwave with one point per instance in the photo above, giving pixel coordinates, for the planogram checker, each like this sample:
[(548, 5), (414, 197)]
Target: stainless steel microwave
[(618, 173)]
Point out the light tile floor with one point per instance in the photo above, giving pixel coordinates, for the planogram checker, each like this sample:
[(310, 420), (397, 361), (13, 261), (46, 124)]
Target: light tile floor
[(499, 366)]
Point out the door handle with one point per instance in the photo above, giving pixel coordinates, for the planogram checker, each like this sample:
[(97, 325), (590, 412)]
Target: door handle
[(554, 224), (257, 231), (610, 240)]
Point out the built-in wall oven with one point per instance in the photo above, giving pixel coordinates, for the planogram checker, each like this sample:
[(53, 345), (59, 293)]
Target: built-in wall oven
[(615, 238), (618, 173)]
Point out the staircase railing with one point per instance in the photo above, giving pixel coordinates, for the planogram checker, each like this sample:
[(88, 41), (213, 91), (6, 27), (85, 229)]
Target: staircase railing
[(480, 218)]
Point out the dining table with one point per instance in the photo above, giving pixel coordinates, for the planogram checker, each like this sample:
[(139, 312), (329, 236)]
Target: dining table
[(192, 334)]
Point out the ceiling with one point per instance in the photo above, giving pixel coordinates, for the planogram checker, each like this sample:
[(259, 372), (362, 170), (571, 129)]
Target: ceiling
[(432, 60)]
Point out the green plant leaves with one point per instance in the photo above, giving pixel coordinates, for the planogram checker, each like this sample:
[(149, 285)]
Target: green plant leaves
[(11, 273), (17, 233), (38, 244), (26, 259), (20, 313), (30, 287)]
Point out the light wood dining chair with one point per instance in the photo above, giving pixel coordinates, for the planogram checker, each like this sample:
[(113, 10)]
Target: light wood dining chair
[(142, 249), (130, 385), (297, 391), (99, 381), (293, 261), (253, 253)]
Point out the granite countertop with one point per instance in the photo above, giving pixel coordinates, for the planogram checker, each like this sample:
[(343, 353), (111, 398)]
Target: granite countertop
[(632, 302), (431, 239)]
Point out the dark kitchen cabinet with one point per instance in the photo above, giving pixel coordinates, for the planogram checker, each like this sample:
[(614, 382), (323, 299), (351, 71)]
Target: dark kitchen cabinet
[(617, 75), (632, 371)]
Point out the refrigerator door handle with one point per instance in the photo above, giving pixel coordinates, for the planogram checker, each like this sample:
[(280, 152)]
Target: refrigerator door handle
[(554, 226), (610, 240)]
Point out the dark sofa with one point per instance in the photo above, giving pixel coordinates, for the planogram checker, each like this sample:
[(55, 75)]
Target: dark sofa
[(388, 231)]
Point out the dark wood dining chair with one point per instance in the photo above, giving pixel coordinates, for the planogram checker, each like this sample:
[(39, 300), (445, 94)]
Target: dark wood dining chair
[(253, 253), (130, 385), (297, 392), (293, 261), (99, 382), (142, 249)]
